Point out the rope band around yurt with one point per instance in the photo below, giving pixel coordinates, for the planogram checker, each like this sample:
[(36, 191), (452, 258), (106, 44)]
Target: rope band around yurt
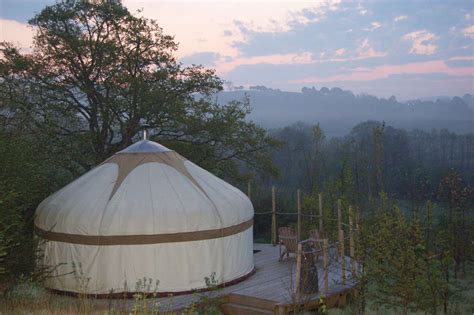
[(144, 238)]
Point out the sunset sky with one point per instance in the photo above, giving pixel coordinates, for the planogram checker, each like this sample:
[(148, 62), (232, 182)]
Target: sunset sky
[(409, 49)]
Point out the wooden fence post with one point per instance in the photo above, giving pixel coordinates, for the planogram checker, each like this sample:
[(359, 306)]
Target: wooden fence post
[(326, 264), (357, 237), (351, 242), (298, 270), (298, 206), (343, 258), (320, 212), (274, 229), (339, 214)]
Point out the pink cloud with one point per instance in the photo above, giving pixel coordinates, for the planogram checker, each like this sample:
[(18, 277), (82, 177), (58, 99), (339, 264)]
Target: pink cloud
[(400, 18), (365, 50), (422, 42), (340, 52), (362, 11), (462, 58), (223, 66), (382, 72), (373, 26), (200, 26), (468, 31), (17, 33)]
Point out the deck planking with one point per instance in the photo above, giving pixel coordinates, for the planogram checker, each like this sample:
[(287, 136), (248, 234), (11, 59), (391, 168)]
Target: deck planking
[(273, 280)]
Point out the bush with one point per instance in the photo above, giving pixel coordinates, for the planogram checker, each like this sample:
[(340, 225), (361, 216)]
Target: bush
[(28, 176)]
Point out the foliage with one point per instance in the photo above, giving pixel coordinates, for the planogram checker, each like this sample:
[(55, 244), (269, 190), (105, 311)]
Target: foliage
[(407, 165), (458, 227), (405, 262), (28, 174), (142, 296), (396, 262), (209, 302)]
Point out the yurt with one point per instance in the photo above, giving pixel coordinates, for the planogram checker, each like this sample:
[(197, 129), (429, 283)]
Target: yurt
[(146, 212)]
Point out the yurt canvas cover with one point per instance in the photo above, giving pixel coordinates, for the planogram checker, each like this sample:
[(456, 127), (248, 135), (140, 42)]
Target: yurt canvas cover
[(145, 212)]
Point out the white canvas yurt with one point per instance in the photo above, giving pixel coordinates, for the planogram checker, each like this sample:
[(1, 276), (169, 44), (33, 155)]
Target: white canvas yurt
[(146, 212)]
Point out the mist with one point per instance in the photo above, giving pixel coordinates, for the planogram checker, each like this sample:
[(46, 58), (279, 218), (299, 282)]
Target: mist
[(339, 110)]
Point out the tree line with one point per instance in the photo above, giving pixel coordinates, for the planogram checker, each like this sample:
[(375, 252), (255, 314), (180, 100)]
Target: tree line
[(372, 158)]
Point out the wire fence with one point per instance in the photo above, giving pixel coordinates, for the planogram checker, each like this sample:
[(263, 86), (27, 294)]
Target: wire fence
[(337, 242), (300, 214)]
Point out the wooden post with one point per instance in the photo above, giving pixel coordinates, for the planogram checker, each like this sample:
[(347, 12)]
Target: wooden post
[(357, 235), (298, 270), (339, 214), (274, 228), (298, 206), (343, 259), (249, 190), (280, 309), (320, 212), (351, 242), (326, 265)]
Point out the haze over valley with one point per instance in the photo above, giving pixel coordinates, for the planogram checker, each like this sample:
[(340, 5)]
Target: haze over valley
[(339, 110)]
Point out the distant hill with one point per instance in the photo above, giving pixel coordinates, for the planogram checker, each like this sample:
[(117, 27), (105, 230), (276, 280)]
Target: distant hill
[(338, 110)]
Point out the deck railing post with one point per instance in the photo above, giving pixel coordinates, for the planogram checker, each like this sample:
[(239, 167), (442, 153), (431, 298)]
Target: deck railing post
[(343, 259), (298, 206), (351, 242), (298, 271), (320, 212), (280, 309), (326, 264), (274, 228), (357, 235)]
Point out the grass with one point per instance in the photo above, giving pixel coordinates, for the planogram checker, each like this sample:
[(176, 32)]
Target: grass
[(462, 304), (31, 298)]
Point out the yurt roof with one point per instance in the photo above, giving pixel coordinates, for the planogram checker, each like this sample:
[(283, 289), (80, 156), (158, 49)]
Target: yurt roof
[(145, 146), (145, 189)]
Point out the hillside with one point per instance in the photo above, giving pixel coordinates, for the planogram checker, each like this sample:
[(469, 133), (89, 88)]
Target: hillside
[(338, 110)]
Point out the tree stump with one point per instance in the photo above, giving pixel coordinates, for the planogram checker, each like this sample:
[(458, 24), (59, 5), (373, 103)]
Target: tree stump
[(309, 281)]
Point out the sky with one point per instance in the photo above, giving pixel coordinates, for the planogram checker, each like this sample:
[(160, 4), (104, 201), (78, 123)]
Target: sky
[(409, 49)]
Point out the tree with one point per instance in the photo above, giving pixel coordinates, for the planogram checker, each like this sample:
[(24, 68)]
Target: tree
[(378, 135), (364, 147), (396, 260), (458, 219), (29, 173), (314, 158), (97, 72)]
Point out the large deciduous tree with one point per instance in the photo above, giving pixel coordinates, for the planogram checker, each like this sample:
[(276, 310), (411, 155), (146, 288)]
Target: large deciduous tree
[(96, 73)]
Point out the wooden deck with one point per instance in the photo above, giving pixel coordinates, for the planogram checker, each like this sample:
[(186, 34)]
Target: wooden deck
[(273, 283), (270, 290)]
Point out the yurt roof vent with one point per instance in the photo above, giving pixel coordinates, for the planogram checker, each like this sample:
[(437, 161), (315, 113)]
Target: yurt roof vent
[(145, 128), (145, 145)]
